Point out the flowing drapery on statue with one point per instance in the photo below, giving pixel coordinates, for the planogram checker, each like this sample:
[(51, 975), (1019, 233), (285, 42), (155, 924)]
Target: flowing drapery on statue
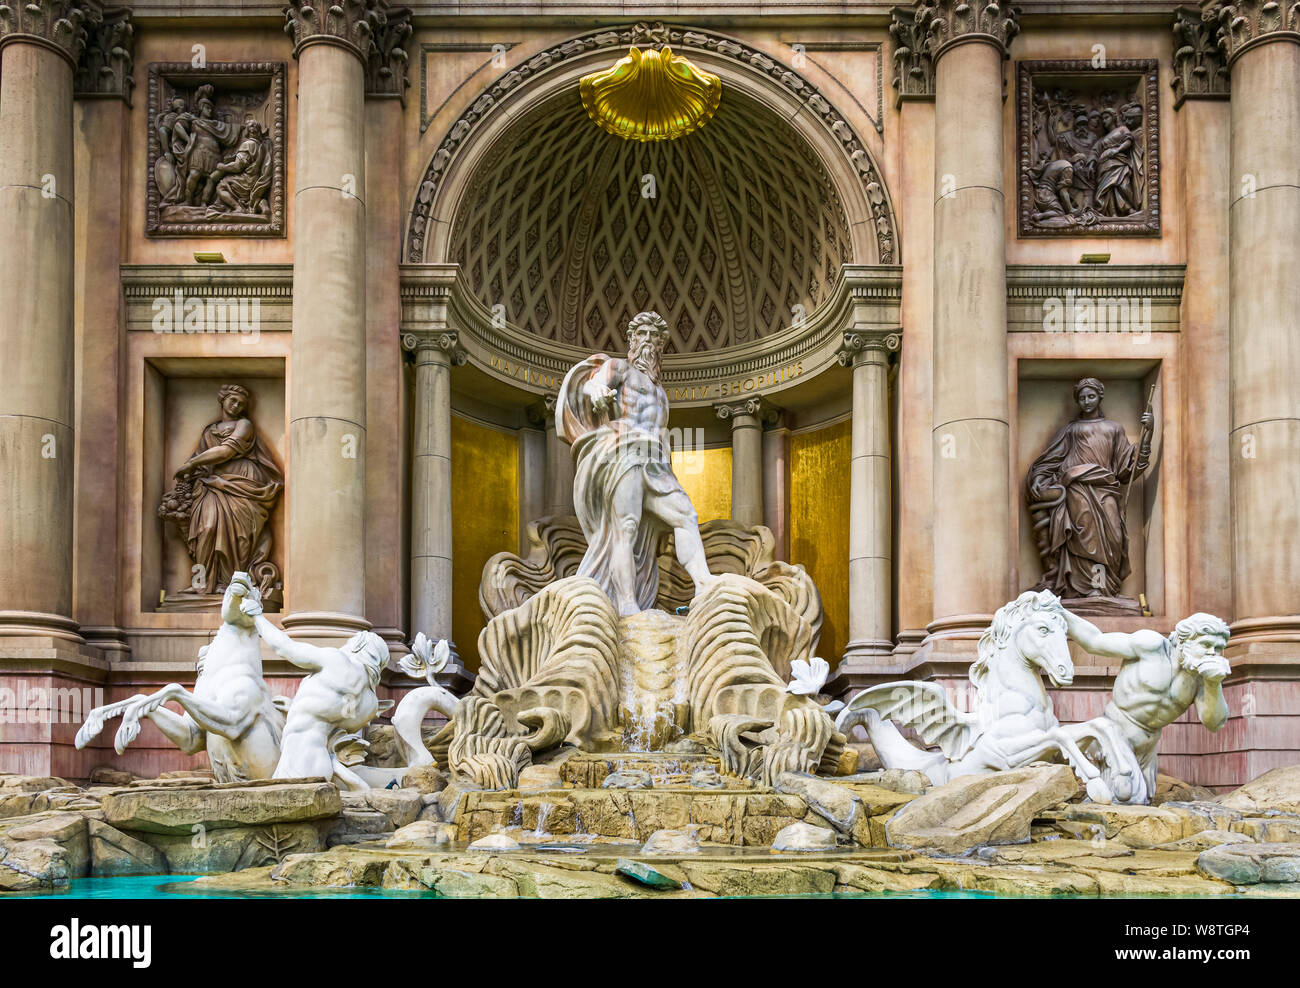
[(614, 413), (224, 497), (1077, 495)]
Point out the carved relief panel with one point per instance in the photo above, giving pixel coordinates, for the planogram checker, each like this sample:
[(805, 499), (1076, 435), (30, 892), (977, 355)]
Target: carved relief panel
[(216, 149), (1088, 148)]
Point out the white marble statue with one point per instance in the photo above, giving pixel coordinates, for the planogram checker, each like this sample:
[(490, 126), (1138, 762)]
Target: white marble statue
[(1013, 723), (333, 703), (1159, 679), (425, 661), (231, 713), (614, 412)]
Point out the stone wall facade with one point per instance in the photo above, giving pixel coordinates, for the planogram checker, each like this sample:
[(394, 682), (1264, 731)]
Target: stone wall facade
[(906, 234)]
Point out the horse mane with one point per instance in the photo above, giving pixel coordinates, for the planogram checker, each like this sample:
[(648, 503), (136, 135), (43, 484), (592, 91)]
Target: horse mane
[(1005, 621)]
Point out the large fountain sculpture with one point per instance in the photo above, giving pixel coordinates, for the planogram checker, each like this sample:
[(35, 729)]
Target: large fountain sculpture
[(607, 639)]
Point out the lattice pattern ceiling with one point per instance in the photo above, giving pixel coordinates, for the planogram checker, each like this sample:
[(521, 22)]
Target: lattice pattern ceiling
[(744, 226)]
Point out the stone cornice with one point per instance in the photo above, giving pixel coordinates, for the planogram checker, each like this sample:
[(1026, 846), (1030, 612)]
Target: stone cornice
[(108, 58), (1249, 23), (60, 25), (386, 71), (865, 298), (1200, 70), (351, 24), (913, 66), (951, 22)]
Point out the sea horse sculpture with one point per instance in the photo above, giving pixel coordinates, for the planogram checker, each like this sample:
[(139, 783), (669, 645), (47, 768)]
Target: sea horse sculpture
[(231, 713), (1013, 723)]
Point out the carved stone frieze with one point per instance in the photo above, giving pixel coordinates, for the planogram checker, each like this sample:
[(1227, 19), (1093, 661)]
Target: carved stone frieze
[(913, 66), (350, 23), (1088, 148), (389, 62), (216, 149), (653, 34), (58, 24), (1248, 23), (950, 22), (1200, 70), (107, 58)]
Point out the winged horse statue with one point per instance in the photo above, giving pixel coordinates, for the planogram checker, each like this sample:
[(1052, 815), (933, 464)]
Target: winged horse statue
[(230, 713), (1013, 723)]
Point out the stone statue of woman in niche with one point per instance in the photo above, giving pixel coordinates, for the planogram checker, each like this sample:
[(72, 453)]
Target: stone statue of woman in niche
[(224, 495), (1078, 496)]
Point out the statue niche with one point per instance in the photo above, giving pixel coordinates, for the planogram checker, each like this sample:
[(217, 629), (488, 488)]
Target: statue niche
[(216, 156), (1088, 149), (221, 503), (1078, 492)]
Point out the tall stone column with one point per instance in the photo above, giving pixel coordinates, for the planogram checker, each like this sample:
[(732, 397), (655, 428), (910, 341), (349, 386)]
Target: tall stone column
[(559, 466), (870, 518), (431, 520), (776, 485), (1262, 44), (532, 472), (40, 43), (972, 498), (913, 84), (387, 479), (1201, 98), (746, 458), (326, 575)]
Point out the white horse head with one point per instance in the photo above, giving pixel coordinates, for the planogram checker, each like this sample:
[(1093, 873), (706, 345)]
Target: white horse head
[(1032, 630)]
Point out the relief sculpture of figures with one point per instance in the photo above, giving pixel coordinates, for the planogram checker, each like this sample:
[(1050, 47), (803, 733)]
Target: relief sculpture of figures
[(1078, 492), (614, 413), (223, 498)]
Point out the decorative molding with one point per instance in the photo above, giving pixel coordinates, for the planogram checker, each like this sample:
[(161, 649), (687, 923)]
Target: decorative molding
[(445, 341), (61, 25), (654, 34), (865, 297), (108, 58), (1057, 171), (913, 66), (1092, 299), (858, 346), (951, 22), (426, 117), (247, 89), (1200, 69), (755, 408), (1250, 23), (388, 68), (350, 24)]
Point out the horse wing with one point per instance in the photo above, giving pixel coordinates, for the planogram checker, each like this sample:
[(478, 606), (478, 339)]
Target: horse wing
[(925, 708)]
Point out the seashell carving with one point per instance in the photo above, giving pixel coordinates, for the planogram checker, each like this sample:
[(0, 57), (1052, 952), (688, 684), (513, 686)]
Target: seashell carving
[(656, 96)]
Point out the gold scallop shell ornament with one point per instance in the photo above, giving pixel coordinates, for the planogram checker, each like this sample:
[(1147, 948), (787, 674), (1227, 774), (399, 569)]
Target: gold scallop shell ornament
[(655, 96)]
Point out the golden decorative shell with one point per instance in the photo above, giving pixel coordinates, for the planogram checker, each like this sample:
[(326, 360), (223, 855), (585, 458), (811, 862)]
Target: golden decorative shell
[(657, 96)]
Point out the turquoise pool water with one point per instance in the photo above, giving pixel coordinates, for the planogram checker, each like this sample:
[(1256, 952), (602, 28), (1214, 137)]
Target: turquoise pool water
[(174, 887)]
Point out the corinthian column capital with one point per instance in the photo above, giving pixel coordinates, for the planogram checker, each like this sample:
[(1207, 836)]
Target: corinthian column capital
[(950, 22), (57, 24), (350, 24), (104, 69), (1248, 23), (386, 72), (913, 66), (1200, 70)]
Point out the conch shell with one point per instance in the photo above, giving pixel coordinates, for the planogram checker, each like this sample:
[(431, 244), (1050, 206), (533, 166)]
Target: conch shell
[(657, 96)]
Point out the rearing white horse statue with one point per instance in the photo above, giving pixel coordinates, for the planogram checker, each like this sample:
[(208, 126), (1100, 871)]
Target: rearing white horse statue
[(1013, 723), (230, 713)]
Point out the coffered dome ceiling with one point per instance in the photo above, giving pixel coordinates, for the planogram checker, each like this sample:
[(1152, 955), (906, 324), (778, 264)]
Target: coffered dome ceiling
[(743, 226)]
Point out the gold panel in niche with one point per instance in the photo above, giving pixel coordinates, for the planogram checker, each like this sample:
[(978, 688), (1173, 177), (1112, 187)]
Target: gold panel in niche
[(819, 524), (485, 519), (705, 474)]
